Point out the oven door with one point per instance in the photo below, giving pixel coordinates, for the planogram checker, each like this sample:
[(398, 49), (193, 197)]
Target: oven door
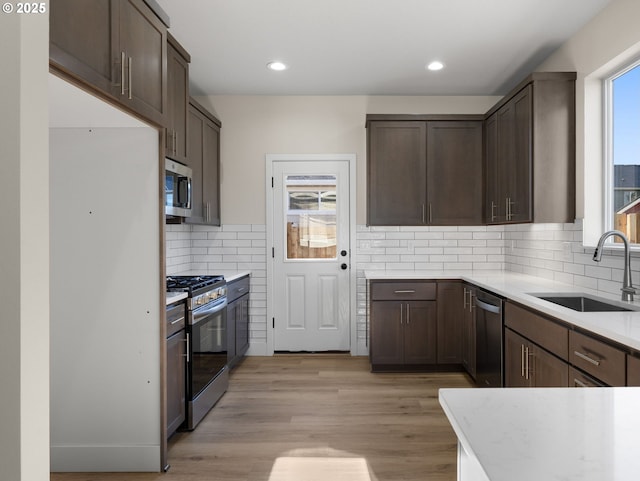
[(207, 345)]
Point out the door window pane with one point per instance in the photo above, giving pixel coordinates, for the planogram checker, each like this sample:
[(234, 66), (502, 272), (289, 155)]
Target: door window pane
[(311, 216)]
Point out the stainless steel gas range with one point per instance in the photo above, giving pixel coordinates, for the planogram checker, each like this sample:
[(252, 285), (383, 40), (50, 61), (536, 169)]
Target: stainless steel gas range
[(207, 372)]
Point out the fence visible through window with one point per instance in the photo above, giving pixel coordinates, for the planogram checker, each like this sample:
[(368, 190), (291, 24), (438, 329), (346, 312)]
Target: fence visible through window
[(311, 216)]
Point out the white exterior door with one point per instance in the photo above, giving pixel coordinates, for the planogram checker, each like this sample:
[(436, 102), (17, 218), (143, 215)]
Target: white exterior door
[(311, 256)]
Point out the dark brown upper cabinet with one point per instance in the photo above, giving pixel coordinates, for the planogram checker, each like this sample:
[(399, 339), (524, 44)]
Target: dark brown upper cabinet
[(116, 47), (424, 170), (454, 173), (509, 161), (177, 100), (204, 160), (530, 152), (397, 173)]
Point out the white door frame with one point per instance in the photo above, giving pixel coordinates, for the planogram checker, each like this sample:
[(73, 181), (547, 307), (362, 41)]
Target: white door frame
[(351, 159)]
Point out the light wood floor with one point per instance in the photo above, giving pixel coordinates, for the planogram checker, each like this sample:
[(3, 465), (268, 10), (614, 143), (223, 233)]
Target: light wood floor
[(315, 418)]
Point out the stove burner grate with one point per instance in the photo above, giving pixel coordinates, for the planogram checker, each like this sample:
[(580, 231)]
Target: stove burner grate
[(191, 283)]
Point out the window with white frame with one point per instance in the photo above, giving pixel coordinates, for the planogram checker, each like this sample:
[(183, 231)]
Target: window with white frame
[(622, 151)]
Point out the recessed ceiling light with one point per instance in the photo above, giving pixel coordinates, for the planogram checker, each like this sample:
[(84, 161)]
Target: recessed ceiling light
[(435, 65), (277, 66)]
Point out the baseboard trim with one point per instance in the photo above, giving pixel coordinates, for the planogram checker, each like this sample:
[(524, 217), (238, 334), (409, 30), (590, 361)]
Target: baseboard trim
[(97, 459)]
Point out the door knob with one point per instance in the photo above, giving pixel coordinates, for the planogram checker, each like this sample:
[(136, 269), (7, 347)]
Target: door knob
[(343, 253), (343, 266)]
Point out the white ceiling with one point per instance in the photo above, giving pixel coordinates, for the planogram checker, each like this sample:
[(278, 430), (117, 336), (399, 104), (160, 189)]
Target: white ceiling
[(375, 47)]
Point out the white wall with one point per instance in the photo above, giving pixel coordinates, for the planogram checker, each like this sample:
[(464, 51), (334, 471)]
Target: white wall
[(105, 299), (253, 126), (611, 39), (24, 249)]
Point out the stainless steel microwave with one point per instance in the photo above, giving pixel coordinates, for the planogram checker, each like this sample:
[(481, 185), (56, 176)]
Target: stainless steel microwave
[(177, 189)]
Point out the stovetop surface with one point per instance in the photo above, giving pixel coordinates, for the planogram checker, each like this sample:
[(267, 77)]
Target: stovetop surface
[(193, 283)]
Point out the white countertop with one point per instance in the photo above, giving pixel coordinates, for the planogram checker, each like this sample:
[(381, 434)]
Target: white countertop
[(232, 276), (175, 296), (548, 434), (623, 327)]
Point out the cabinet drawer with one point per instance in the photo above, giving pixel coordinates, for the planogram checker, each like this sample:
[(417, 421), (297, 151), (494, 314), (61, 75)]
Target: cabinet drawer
[(176, 317), (406, 291), (601, 360), (580, 379), (548, 334), (237, 288)]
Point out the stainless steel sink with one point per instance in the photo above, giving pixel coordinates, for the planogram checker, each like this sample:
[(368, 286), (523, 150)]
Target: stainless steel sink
[(585, 303)]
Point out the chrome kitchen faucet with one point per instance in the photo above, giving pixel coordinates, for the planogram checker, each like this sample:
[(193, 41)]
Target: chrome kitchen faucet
[(627, 286)]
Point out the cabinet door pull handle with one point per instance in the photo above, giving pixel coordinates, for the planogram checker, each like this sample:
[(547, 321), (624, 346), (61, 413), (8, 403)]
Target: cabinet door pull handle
[(578, 383), (400, 314), (405, 291), (526, 369), (130, 86), (122, 59), (408, 315), (521, 360), (587, 358), (187, 347), (493, 208), (180, 319), (424, 219), (430, 213), (175, 142), (464, 299)]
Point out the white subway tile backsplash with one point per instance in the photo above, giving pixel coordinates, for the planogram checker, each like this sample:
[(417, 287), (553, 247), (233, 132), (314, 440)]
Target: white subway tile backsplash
[(535, 249), (400, 235), (573, 268), (459, 235), (458, 250), (586, 282), (429, 235), (597, 272), (472, 242), (425, 251)]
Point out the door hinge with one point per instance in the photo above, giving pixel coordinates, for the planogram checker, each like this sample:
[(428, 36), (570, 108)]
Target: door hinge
[(272, 182), (273, 252), (273, 323)]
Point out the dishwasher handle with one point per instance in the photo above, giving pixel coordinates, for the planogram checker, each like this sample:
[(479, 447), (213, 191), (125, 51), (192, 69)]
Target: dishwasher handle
[(487, 307)]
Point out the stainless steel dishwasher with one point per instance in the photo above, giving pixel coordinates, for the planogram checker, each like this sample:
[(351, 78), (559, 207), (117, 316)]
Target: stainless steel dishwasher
[(489, 331)]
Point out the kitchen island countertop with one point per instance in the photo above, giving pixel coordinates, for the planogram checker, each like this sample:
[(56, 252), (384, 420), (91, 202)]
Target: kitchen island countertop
[(545, 433)]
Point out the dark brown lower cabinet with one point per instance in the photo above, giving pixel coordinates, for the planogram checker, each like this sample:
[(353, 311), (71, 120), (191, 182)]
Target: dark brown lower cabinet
[(578, 378), (237, 320), (176, 381), (528, 365), (403, 334), (468, 330), (633, 371), (597, 358), (450, 322)]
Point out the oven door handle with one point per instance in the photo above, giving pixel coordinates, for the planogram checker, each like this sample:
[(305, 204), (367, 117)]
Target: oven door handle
[(205, 311)]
